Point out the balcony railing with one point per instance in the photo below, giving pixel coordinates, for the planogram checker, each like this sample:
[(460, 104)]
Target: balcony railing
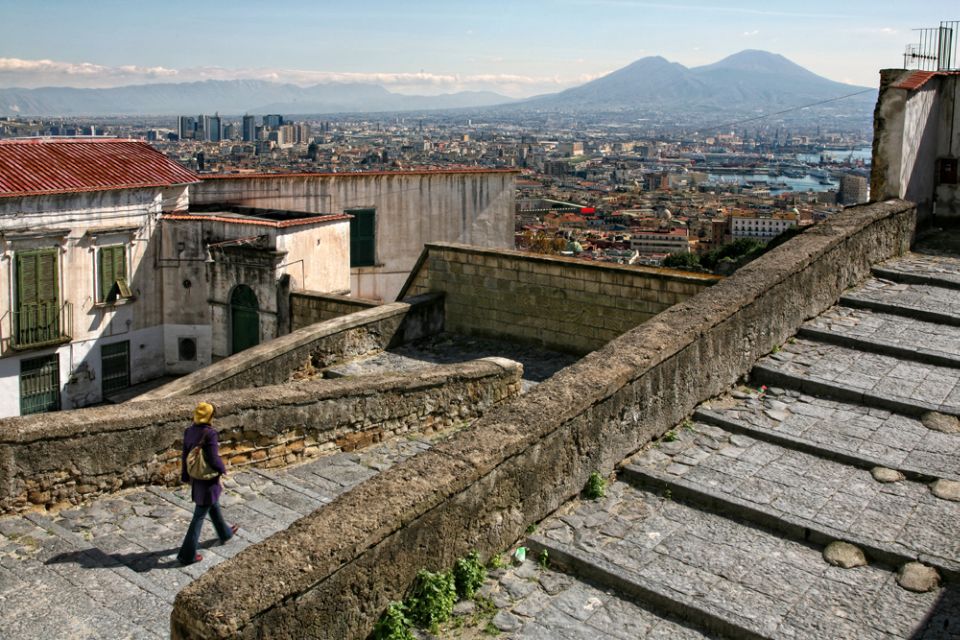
[(41, 323)]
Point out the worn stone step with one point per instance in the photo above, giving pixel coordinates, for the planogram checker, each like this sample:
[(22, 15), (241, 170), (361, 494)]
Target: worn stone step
[(940, 305), (849, 433), (726, 576), (803, 496), (884, 333), (918, 268), (872, 379)]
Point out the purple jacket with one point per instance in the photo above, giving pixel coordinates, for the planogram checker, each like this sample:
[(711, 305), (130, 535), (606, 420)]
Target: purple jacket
[(205, 492)]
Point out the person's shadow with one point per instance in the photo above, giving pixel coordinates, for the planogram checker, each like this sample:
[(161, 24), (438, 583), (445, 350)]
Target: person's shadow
[(140, 561)]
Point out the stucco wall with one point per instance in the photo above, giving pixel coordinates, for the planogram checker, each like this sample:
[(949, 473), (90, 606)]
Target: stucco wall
[(52, 459), (413, 208), (556, 302), (309, 307), (332, 573), (320, 344)]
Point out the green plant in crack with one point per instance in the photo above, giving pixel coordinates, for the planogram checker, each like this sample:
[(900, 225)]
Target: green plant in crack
[(544, 559), (596, 486), (670, 436), (468, 575), (393, 624), (432, 598)]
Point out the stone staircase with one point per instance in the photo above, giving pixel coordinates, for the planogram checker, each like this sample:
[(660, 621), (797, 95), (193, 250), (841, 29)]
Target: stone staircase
[(847, 433)]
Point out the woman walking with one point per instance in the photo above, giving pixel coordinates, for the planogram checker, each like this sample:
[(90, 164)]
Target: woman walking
[(206, 493)]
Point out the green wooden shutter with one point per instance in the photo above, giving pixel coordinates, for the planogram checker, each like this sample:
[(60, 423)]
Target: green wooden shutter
[(37, 277), (112, 267), (363, 227)]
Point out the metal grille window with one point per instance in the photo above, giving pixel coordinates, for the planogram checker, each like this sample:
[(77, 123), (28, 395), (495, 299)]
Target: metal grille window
[(39, 385), (112, 272), (115, 366), (363, 227)]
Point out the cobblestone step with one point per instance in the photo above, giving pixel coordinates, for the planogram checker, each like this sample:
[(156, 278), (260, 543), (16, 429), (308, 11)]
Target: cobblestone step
[(729, 577), (875, 380), (898, 336), (803, 496), (918, 268), (929, 303)]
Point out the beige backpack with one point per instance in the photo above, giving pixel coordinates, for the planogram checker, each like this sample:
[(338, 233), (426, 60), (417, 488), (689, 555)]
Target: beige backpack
[(197, 466)]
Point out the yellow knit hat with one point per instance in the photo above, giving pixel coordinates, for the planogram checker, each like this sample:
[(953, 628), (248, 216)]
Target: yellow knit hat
[(203, 414)]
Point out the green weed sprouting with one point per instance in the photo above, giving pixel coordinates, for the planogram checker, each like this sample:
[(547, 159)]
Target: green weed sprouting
[(596, 486), (468, 575), (393, 624), (432, 598)]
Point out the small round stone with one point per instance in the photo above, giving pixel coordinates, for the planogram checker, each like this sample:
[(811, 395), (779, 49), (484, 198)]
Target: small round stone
[(506, 621), (940, 422), (883, 474), (946, 489), (918, 577), (844, 555)]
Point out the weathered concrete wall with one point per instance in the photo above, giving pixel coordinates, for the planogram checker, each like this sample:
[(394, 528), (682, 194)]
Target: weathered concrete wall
[(51, 459), (559, 303), (320, 345), (332, 572), (309, 307), (913, 127), (412, 209)]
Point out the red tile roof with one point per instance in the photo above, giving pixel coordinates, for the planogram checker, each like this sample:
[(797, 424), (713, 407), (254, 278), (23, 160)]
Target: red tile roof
[(42, 166), (914, 80)]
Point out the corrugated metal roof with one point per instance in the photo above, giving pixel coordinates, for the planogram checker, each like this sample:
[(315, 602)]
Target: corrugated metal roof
[(43, 166)]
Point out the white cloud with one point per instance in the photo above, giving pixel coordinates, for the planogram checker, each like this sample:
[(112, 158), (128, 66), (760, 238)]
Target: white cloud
[(16, 72), (750, 34)]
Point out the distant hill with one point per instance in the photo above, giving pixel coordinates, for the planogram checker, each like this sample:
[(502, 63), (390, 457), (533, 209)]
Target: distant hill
[(231, 97), (745, 81)]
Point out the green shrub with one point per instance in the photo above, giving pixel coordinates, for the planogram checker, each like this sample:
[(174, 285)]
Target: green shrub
[(432, 599), (670, 436), (596, 486), (468, 575), (393, 624)]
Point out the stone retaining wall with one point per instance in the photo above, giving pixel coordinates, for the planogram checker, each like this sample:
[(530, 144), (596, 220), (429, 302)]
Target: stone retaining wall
[(310, 307), (333, 572), (314, 346), (57, 458), (556, 302)]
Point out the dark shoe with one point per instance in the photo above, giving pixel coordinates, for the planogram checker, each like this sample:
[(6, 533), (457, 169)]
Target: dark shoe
[(233, 529), (196, 558)]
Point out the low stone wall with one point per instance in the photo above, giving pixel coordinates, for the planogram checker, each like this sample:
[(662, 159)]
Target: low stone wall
[(556, 302), (57, 458), (332, 573), (318, 345), (310, 307)]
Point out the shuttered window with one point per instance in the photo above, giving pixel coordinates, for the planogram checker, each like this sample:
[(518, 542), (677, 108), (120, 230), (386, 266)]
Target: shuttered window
[(37, 277), (363, 237), (112, 269)]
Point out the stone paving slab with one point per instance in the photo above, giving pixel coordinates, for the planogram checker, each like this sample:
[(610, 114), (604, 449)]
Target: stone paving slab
[(782, 587), (853, 373), (921, 267), (917, 300), (891, 331), (108, 569), (875, 435), (822, 495)]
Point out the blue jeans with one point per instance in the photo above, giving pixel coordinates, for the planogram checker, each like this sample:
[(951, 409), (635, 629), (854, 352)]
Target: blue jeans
[(188, 550)]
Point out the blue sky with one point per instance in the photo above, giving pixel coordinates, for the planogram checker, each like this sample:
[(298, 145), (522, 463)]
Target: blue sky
[(520, 47)]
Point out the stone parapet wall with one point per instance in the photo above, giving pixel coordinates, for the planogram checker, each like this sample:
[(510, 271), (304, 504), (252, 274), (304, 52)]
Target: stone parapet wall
[(332, 573), (59, 458), (310, 307), (315, 346), (556, 302)]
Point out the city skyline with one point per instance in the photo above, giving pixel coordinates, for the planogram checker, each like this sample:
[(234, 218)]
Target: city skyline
[(518, 49)]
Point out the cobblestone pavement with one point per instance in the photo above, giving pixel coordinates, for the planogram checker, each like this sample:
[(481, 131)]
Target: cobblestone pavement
[(447, 348), (887, 438), (921, 297), (938, 266), (813, 491), (890, 330), (873, 373), (108, 570)]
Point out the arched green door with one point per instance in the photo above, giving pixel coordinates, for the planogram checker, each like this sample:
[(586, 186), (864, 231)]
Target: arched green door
[(244, 319)]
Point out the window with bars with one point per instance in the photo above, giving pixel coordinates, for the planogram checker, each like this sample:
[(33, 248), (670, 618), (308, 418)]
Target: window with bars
[(363, 227), (112, 273)]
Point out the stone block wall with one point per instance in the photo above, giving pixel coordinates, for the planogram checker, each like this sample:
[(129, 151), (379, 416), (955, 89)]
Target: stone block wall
[(555, 302), (60, 458), (314, 346), (310, 307), (332, 573)]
